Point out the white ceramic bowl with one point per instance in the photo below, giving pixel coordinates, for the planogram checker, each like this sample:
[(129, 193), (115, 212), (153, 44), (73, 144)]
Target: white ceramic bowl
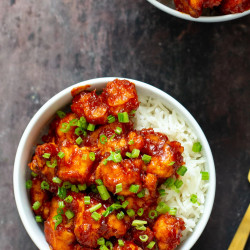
[(170, 9), (44, 115)]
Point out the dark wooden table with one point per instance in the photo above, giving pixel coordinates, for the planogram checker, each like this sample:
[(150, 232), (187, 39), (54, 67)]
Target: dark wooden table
[(46, 46)]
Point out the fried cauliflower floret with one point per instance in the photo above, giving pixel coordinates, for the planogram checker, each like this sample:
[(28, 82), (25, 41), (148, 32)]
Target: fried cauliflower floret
[(63, 236), (150, 182), (135, 141), (128, 245), (127, 172), (234, 6), (167, 230), (120, 96), (91, 106), (76, 165), (42, 196), (38, 163), (191, 7)]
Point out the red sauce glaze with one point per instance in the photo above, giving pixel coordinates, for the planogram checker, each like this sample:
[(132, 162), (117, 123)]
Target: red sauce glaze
[(78, 166)]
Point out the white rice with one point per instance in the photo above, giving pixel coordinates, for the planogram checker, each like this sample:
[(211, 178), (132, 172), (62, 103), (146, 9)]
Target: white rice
[(153, 114)]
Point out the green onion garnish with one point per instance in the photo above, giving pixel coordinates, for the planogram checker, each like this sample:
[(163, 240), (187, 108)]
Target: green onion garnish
[(57, 180), (118, 130), (112, 137), (120, 197), (172, 211), (46, 155), (134, 188), (82, 187), (162, 208), (94, 189), (92, 156), (118, 188), (57, 219), (86, 200), (152, 214), (101, 241), (36, 205), (29, 184), (79, 131), (151, 245), (33, 174), (196, 147), (61, 114), (62, 192), (61, 155), (136, 223), (125, 204), (146, 158), (91, 127), (69, 199), (103, 247), (131, 142), (181, 170), (103, 192), (123, 117), (161, 192), (169, 182), (82, 123), (140, 211), (69, 214), (96, 207), (96, 216), (128, 154), (53, 165), (45, 185), (193, 198), (111, 119), (143, 238), (39, 218), (135, 153), (130, 212), (65, 127), (103, 139), (79, 140), (120, 215), (141, 194), (99, 182), (121, 243), (73, 122), (178, 183), (61, 204), (59, 211), (171, 163), (67, 185), (205, 176), (109, 245), (74, 189)]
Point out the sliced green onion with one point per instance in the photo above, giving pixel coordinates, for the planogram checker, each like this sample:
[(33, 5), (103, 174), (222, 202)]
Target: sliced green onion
[(67, 185), (136, 223), (74, 189), (116, 206), (61, 114), (96, 207), (57, 180), (140, 211), (111, 119), (123, 117), (172, 211), (197, 147), (53, 165), (121, 243), (61, 155), (96, 216), (131, 142), (65, 127), (108, 211), (86, 200), (80, 131), (103, 192), (134, 188), (79, 140), (46, 155), (103, 247), (143, 238), (120, 215), (141, 194), (34, 174), (82, 187), (36, 205), (135, 153), (146, 158), (69, 199), (99, 182), (73, 122), (171, 163), (59, 210), (152, 214), (45, 185), (82, 123), (151, 245), (92, 156), (174, 188), (101, 241), (118, 130), (141, 227), (117, 157), (162, 208), (94, 189), (181, 170), (132, 112), (57, 219), (69, 214), (205, 176), (84, 157), (193, 198), (118, 188), (112, 137), (29, 184), (178, 183), (128, 154), (120, 197), (39, 218), (103, 139), (91, 127), (61, 204), (125, 204), (169, 182), (62, 192), (130, 212), (109, 244), (105, 161), (161, 192)]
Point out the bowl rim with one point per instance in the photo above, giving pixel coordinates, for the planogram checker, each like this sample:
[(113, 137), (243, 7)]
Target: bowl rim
[(202, 19), (17, 176)]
